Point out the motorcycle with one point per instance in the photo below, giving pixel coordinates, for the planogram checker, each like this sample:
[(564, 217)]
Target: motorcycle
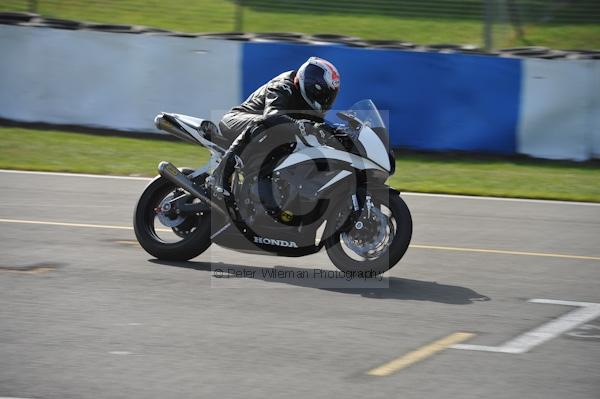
[(298, 198)]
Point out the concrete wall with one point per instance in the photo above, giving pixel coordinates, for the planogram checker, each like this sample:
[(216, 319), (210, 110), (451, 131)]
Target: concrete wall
[(112, 80), (559, 109)]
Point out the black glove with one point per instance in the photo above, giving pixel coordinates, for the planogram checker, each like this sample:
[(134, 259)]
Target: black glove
[(328, 134), (309, 129), (325, 133), (336, 134)]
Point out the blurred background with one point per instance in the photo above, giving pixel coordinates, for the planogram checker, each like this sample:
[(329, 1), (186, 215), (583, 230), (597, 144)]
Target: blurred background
[(493, 24), (462, 82)]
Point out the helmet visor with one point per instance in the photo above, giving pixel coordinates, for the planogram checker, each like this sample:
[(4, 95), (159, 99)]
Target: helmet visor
[(317, 89)]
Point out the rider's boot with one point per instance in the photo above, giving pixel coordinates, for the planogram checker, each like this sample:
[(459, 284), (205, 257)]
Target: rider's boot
[(232, 158), (231, 161), (223, 173)]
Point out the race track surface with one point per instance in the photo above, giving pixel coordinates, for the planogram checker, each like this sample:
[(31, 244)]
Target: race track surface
[(86, 313)]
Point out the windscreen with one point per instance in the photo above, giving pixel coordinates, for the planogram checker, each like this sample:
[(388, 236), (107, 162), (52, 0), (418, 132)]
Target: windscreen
[(366, 111)]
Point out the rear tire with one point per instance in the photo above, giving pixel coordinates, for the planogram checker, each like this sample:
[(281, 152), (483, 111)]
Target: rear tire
[(394, 252), (189, 247)]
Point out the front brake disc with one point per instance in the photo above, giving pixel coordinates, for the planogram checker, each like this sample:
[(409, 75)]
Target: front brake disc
[(363, 248)]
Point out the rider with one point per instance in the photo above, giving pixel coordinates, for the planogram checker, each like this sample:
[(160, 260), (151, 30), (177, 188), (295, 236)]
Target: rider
[(293, 102)]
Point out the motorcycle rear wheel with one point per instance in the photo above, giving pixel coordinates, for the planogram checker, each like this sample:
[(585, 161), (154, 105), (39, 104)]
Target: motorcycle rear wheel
[(339, 253), (191, 244)]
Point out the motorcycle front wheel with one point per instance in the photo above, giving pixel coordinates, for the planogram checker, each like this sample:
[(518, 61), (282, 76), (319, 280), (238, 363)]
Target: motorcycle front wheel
[(169, 236), (377, 240)]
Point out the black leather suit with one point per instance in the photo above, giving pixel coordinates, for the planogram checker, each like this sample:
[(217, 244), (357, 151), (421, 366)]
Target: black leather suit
[(278, 97), (276, 105)]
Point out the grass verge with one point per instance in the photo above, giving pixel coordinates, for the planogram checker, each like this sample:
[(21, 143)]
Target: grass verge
[(449, 22), (50, 150)]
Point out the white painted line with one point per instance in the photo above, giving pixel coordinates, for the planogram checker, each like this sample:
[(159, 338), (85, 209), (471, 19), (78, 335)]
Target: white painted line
[(28, 172), (123, 353), (525, 342), (407, 193)]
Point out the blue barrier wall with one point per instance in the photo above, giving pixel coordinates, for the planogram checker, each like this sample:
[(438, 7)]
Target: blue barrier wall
[(435, 101)]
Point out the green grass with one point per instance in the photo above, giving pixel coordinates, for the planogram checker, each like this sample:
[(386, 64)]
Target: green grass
[(451, 23), (498, 177), (466, 174), (86, 153)]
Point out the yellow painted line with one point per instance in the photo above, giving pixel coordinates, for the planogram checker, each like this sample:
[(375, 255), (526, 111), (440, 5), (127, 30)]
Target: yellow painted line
[(434, 247), (135, 243), (94, 226), (420, 354), (36, 270), (503, 252)]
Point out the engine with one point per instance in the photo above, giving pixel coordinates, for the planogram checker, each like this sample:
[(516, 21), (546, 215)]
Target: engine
[(287, 197)]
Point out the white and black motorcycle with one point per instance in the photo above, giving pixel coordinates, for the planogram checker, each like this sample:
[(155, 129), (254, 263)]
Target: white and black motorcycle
[(299, 197)]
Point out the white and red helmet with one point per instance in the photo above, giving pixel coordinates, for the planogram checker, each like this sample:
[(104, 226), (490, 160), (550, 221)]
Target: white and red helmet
[(319, 83)]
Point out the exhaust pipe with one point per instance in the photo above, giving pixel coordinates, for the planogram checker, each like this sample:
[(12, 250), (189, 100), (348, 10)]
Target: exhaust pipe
[(174, 175), (161, 123)]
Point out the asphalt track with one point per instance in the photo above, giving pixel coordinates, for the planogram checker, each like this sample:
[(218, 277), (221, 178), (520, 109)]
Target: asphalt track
[(86, 313)]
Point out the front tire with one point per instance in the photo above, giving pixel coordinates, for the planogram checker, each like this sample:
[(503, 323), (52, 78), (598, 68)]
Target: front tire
[(194, 240), (339, 253)]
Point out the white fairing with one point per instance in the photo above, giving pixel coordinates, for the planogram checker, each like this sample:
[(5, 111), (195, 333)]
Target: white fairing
[(374, 147), (309, 153), (191, 125), (335, 179), (376, 155), (193, 132), (190, 120)]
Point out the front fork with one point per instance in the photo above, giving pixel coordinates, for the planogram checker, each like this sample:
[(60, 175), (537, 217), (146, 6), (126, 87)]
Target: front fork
[(360, 201)]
